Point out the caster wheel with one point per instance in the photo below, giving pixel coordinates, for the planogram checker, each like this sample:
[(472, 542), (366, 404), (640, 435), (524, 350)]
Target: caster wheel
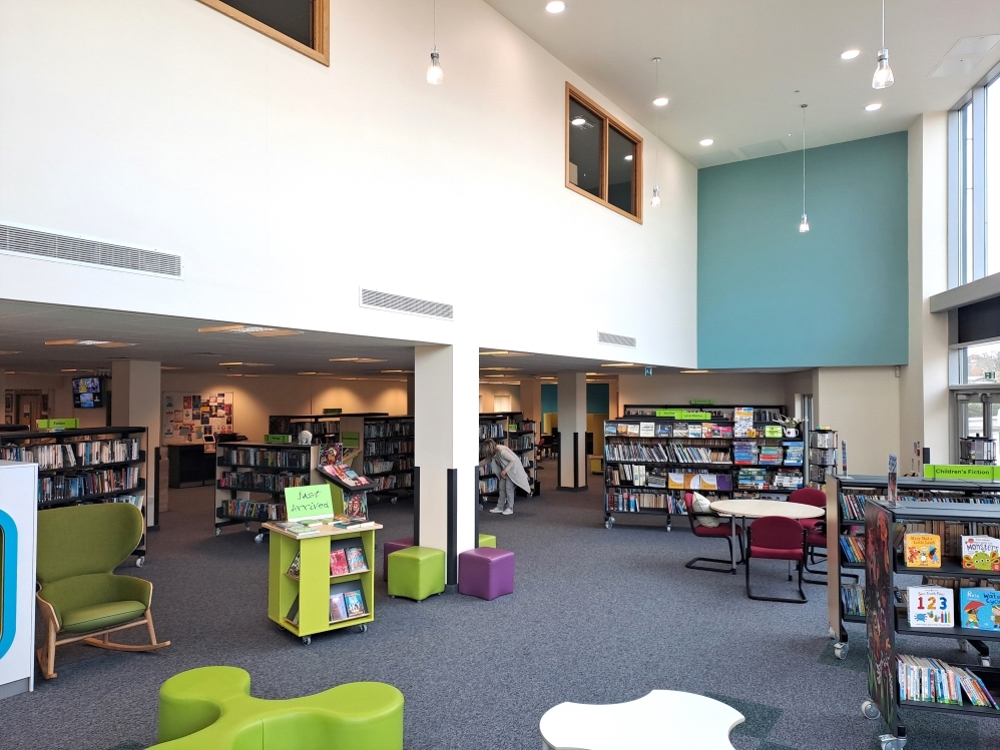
[(832, 634), (218, 531), (142, 561), (363, 628), (963, 645), (840, 650), (393, 501), (259, 538), (984, 661), (247, 526), (870, 711), (609, 523), (669, 527), (889, 742), (306, 640)]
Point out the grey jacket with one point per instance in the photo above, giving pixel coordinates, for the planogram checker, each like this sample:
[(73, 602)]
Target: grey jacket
[(505, 458)]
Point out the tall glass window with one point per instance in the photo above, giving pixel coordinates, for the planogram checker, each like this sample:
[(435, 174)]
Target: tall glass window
[(992, 155)]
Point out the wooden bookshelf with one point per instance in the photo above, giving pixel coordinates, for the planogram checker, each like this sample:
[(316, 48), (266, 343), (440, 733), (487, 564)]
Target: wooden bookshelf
[(102, 465), (251, 479)]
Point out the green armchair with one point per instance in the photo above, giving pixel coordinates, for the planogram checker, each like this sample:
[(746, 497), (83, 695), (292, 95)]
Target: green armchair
[(80, 597)]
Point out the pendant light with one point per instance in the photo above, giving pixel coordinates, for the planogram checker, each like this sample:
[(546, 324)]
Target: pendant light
[(883, 73), (435, 75), (655, 200), (804, 224)]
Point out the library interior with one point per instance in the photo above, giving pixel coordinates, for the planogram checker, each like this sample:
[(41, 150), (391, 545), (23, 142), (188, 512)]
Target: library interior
[(395, 510)]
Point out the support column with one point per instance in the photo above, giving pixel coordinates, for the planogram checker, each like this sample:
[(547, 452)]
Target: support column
[(531, 402), (135, 402), (446, 429), (410, 396), (572, 430)]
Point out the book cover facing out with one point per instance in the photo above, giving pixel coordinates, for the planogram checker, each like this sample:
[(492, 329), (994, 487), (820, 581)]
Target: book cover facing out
[(922, 550), (355, 603), (980, 609), (930, 607), (981, 553)]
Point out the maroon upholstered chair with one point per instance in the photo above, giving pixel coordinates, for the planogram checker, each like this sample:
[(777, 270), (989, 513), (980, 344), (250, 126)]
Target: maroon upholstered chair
[(722, 531), (815, 531), (777, 538)]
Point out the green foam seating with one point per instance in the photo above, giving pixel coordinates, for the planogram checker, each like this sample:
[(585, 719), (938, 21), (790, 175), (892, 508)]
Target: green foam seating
[(211, 707), (416, 572), (487, 540)]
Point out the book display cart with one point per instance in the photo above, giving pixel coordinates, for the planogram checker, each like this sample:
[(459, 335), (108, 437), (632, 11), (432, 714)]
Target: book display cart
[(885, 524), (104, 465), (325, 428), (822, 455), (386, 452), (299, 595), (250, 480), (656, 453), (518, 434)]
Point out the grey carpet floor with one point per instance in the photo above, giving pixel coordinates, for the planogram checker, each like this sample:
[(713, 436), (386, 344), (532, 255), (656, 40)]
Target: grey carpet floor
[(598, 616)]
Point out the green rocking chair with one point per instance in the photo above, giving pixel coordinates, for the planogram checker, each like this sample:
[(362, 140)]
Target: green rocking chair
[(80, 597)]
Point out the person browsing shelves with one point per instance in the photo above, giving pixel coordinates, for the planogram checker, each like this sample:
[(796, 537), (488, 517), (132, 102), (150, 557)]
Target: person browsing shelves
[(510, 473)]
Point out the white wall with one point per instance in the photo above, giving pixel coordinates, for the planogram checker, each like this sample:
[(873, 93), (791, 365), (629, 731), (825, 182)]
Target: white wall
[(862, 404), (255, 399), (60, 393), (163, 124), (487, 392), (752, 389)]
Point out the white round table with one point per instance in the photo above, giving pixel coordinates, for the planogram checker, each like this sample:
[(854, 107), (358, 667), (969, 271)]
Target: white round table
[(661, 720), (762, 509)]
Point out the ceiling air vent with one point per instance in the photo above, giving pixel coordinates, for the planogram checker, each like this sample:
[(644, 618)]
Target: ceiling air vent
[(411, 305), (76, 250), (614, 338)]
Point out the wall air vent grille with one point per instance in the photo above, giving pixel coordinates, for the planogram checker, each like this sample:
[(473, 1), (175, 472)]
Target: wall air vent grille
[(398, 303), (76, 250), (614, 338)]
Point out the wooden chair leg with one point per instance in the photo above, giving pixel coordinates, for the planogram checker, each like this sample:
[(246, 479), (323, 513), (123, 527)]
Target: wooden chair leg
[(47, 654)]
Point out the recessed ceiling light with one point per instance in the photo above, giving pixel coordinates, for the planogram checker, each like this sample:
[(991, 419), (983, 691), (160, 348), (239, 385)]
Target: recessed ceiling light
[(692, 372), (661, 101), (234, 375), (8, 352), (706, 141), (555, 6), (311, 372), (629, 157), (619, 364), (259, 331), (849, 54), (170, 367), (61, 342), (579, 121), (498, 369), (873, 106), (230, 364), (495, 375), (68, 369), (493, 353), (257, 364)]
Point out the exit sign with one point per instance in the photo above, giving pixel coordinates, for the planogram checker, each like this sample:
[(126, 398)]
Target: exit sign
[(649, 372)]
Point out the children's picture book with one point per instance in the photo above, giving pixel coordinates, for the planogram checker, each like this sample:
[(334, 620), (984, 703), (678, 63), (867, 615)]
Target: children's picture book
[(980, 608), (930, 607), (344, 475), (356, 560), (356, 506), (922, 550), (332, 454), (355, 603), (293, 613), (610, 428), (662, 429), (293, 569), (980, 553), (338, 563), (632, 430), (338, 609), (647, 429)]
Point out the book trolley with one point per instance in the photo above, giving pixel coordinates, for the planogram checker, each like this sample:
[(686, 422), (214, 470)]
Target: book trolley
[(654, 454), (884, 524), (78, 466)]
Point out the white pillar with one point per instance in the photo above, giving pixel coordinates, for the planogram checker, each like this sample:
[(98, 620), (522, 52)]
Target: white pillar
[(572, 419), (410, 395), (531, 402), (135, 402), (446, 429)]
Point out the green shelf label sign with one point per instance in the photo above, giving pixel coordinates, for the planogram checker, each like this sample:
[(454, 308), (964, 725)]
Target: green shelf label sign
[(962, 471), (351, 439), (277, 438), (683, 414), (702, 402), (57, 424), (309, 503)]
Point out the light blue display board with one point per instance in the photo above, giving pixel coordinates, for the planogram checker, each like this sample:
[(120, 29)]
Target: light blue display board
[(769, 296)]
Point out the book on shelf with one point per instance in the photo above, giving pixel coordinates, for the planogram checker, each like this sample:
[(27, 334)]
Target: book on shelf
[(647, 429), (356, 562), (338, 563), (344, 475), (299, 530), (331, 455), (853, 548), (852, 598), (980, 608), (355, 603), (662, 429), (981, 553), (922, 550), (293, 612), (931, 681), (338, 608), (930, 607), (356, 506), (293, 569)]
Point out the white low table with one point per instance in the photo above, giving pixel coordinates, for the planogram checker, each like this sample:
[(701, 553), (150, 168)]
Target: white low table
[(662, 720)]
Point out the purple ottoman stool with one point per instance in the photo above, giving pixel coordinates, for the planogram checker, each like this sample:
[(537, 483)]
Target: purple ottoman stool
[(486, 572), (394, 546)]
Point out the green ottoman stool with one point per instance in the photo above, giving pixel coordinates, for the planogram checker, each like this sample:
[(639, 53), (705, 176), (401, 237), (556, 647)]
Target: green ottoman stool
[(487, 540), (211, 707), (416, 572)]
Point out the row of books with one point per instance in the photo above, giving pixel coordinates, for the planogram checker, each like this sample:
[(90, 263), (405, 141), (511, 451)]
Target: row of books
[(252, 482), (794, 453), (521, 442), (853, 548), (697, 430), (387, 447), (696, 454), (632, 451), (344, 605), (135, 500), (253, 511), (382, 465), (852, 507), (343, 561), (523, 426), (293, 457), (526, 461), (391, 482), (70, 455), (951, 533), (935, 681), (765, 479), (344, 475), (389, 428), (852, 599), (66, 487), (291, 426), (823, 456), (492, 430), (488, 485), (633, 502)]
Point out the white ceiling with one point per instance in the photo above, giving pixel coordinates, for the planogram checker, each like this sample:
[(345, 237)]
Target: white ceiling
[(731, 68)]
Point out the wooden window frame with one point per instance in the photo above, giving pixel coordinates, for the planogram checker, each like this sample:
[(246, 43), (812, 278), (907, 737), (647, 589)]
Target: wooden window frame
[(321, 24), (573, 93)]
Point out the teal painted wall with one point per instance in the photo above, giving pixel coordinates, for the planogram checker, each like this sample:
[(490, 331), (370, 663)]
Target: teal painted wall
[(769, 296), (598, 398)]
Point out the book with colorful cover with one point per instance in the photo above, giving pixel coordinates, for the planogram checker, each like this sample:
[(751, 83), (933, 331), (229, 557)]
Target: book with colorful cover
[(293, 612), (344, 475), (356, 506), (338, 563), (922, 550), (338, 609), (293, 569), (981, 553), (980, 608), (332, 454), (356, 560), (355, 603), (930, 607)]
